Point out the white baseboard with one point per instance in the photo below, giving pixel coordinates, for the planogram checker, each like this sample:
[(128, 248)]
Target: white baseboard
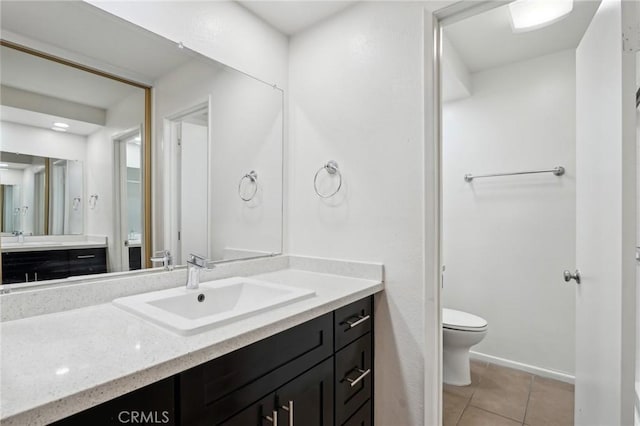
[(539, 371)]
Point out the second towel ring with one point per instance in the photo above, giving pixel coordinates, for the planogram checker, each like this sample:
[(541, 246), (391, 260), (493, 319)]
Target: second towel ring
[(332, 168), (253, 177)]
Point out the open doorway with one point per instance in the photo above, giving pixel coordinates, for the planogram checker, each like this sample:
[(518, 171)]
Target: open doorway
[(509, 216), (129, 201), (189, 132)]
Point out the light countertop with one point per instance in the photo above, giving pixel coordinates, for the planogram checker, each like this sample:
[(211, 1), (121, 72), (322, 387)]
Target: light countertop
[(58, 245), (57, 364)]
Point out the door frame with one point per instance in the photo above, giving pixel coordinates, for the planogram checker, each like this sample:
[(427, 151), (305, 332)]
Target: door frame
[(441, 17), (172, 182)]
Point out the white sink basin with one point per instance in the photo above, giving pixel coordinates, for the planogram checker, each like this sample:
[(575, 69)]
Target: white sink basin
[(215, 303)]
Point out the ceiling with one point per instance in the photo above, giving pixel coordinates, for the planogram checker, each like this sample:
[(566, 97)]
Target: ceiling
[(291, 17), (45, 121), (31, 73), (86, 30), (486, 40)]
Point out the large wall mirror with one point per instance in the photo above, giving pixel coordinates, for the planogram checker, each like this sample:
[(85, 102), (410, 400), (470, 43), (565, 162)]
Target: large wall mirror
[(120, 143)]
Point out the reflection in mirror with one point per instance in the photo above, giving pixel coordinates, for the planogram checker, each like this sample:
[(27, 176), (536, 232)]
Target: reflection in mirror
[(28, 182), (220, 125), (55, 120), (216, 145)]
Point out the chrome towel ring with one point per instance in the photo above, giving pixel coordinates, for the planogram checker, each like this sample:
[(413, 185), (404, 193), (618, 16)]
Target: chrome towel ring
[(332, 168), (253, 178)]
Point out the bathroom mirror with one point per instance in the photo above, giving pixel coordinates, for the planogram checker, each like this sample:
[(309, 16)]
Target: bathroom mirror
[(213, 155), (41, 196)]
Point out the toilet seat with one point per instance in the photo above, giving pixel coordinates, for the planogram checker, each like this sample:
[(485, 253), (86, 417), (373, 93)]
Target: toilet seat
[(463, 321)]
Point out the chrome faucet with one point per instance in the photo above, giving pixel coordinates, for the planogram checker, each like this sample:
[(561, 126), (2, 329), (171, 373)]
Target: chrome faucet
[(195, 264), (20, 236), (163, 256)]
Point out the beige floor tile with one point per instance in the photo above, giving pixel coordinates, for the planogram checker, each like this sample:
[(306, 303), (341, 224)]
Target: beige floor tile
[(452, 407), (503, 391), (551, 403), (473, 416), (477, 370)]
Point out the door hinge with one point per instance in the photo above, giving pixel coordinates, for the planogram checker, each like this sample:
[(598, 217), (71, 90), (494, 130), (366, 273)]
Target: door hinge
[(178, 235), (631, 38)]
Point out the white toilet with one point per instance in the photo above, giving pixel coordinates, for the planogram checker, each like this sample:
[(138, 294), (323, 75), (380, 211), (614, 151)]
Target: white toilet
[(460, 331)]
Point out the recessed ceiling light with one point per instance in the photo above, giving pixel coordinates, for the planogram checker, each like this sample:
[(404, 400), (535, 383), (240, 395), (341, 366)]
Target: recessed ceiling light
[(527, 15), (58, 129), (62, 125), (4, 165)]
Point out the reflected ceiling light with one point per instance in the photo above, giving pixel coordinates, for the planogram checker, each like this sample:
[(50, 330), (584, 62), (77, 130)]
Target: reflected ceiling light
[(58, 129), (61, 125), (527, 15), (62, 371), (4, 165)]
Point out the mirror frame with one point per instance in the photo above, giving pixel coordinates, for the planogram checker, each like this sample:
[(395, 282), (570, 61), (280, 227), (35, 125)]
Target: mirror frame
[(146, 135)]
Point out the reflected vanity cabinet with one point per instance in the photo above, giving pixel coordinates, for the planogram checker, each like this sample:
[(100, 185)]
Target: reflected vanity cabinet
[(28, 266), (319, 373)]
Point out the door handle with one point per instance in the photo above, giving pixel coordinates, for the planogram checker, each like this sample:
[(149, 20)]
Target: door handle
[(568, 276)]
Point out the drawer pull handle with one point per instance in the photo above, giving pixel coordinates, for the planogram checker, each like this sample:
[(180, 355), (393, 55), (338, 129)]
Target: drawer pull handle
[(289, 408), (363, 374), (86, 256), (273, 418), (355, 321)]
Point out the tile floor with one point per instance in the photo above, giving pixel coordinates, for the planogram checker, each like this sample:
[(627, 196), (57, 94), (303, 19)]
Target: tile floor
[(500, 396)]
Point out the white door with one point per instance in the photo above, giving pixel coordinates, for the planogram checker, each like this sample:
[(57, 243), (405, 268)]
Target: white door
[(605, 205)]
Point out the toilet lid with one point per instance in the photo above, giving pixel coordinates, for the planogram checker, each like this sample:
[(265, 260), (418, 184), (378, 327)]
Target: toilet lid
[(461, 320)]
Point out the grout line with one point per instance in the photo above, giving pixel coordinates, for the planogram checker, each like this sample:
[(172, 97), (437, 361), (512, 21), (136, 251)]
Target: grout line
[(472, 393), (526, 408)]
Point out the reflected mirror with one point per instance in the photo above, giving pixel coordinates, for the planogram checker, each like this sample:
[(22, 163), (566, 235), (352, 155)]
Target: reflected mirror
[(79, 155)]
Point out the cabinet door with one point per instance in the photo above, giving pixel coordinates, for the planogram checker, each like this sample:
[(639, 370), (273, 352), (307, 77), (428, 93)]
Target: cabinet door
[(259, 414), (20, 267), (308, 399)]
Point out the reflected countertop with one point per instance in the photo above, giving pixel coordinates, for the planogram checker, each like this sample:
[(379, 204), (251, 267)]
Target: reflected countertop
[(10, 245), (57, 364)]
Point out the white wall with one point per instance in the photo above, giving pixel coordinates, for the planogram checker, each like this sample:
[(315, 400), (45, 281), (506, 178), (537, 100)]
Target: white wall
[(361, 95), (75, 188), (507, 240), (123, 116), (41, 142)]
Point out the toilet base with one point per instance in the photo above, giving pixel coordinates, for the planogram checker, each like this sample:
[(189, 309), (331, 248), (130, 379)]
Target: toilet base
[(456, 369)]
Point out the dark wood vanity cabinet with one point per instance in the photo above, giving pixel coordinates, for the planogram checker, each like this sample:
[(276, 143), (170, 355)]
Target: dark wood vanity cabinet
[(319, 373), (28, 266)]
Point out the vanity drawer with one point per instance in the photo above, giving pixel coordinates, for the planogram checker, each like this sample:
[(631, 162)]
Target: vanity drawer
[(87, 261), (362, 417), (206, 389), (352, 321), (353, 377)]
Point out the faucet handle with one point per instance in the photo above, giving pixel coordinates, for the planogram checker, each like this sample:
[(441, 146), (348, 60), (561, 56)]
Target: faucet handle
[(200, 261), (163, 256)]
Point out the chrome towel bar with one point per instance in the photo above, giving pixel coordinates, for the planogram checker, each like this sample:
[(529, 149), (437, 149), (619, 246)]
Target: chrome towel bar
[(558, 171)]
